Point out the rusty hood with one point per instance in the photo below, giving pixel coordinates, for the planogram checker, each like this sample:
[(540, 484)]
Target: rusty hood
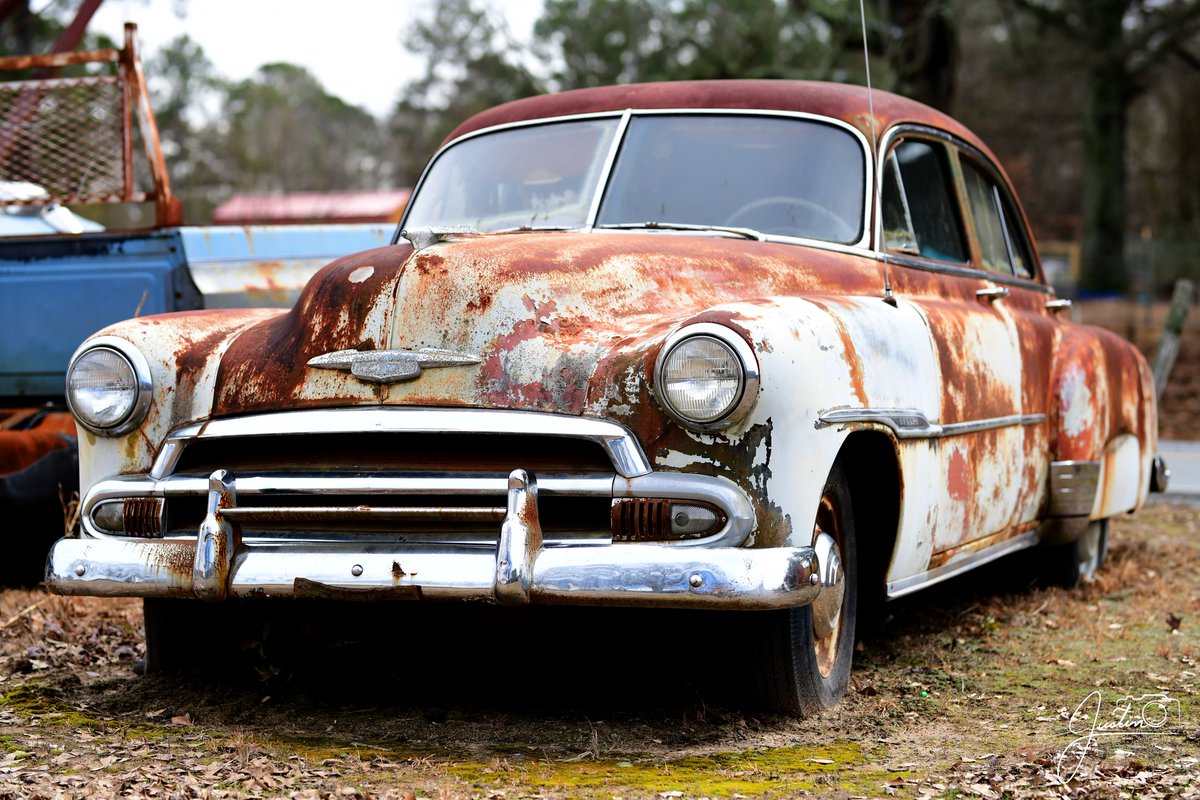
[(562, 322)]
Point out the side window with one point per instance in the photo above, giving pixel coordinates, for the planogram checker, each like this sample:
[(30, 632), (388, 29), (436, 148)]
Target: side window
[(918, 203), (1001, 243)]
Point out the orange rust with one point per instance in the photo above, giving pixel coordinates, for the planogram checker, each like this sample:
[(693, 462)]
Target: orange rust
[(174, 558), (266, 365)]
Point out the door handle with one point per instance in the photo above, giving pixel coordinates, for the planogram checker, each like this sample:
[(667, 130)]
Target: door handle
[(992, 293), (1058, 305)]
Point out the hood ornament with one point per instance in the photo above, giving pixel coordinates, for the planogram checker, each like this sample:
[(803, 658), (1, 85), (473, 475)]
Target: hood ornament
[(391, 366)]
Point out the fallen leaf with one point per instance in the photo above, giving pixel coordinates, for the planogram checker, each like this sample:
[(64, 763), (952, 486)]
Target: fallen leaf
[(183, 719)]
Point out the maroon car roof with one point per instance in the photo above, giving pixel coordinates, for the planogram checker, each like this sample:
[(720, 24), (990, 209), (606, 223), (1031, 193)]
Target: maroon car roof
[(839, 101)]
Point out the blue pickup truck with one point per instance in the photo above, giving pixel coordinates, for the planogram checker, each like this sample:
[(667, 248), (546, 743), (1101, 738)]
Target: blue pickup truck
[(55, 290), (70, 140)]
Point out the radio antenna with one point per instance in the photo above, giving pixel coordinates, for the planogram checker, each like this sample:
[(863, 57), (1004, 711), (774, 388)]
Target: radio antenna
[(888, 297)]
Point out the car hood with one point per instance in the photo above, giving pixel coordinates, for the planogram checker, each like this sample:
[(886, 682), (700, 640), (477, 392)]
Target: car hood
[(561, 322)]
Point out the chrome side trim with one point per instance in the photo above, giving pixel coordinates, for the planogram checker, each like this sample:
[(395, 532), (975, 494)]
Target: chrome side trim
[(1073, 487), (974, 426), (955, 567), (619, 443), (910, 423)]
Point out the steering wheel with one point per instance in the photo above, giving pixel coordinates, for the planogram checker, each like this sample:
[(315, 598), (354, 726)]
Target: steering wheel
[(839, 229)]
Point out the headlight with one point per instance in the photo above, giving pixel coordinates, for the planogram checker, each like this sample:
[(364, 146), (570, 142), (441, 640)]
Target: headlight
[(707, 376), (108, 387)]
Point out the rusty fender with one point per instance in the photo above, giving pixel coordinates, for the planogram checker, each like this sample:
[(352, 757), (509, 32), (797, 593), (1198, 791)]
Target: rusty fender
[(1104, 410), (183, 351)]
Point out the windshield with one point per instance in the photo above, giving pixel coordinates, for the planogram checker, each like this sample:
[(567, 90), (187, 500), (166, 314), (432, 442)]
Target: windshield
[(779, 176)]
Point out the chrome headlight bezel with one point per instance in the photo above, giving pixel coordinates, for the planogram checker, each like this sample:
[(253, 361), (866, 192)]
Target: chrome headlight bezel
[(141, 374), (750, 382)]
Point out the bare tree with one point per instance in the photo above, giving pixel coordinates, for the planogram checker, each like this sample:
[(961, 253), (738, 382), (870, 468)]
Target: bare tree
[(1125, 40)]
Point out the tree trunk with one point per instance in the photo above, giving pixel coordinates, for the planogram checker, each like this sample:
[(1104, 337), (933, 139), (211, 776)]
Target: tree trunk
[(926, 55), (1109, 92)]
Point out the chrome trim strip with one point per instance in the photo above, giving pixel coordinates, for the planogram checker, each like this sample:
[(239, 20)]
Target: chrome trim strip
[(606, 171), (721, 492), (911, 423), (955, 567), (292, 514), (974, 426), (620, 574), (618, 442)]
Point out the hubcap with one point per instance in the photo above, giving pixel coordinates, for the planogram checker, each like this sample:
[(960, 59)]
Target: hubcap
[(827, 608)]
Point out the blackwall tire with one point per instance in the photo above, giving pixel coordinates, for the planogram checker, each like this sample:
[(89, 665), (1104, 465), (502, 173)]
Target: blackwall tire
[(795, 670)]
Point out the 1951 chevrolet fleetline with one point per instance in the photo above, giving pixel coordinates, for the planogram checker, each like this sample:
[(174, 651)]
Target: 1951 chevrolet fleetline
[(754, 345)]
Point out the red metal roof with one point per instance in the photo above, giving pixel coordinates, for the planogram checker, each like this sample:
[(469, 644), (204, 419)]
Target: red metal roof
[(840, 101), (312, 207)]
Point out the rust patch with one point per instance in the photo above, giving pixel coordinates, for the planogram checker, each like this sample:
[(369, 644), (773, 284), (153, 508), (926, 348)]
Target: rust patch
[(266, 366)]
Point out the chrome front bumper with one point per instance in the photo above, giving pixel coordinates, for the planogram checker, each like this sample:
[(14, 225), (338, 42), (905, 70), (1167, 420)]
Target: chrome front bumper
[(520, 570)]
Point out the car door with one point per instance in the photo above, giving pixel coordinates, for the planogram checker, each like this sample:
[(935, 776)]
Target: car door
[(1006, 252), (934, 263)]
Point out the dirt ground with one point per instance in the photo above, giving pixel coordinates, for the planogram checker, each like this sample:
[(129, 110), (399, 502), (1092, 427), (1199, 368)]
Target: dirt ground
[(982, 687)]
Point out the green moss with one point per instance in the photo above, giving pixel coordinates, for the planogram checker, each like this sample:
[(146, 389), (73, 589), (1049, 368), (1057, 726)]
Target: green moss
[(721, 775)]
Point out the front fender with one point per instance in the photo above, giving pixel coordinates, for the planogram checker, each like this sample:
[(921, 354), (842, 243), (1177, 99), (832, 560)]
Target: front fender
[(815, 355), (183, 351)]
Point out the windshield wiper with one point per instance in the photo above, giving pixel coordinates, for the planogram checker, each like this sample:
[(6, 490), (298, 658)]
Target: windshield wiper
[(537, 228), (745, 233)]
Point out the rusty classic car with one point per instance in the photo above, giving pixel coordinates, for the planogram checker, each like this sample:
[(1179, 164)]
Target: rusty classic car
[(783, 348)]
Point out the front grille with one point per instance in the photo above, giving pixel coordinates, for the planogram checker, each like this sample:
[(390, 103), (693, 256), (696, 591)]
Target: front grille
[(357, 459), (324, 453)]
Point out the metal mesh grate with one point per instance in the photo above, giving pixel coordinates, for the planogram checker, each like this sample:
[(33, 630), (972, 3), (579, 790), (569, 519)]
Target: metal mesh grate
[(65, 136)]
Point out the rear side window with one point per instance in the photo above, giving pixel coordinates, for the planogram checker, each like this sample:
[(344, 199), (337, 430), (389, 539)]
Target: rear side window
[(1001, 243), (919, 205)]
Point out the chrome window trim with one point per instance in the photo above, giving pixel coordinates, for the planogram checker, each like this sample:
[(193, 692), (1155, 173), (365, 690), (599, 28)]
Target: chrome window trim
[(141, 373), (911, 423), (610, 161), (967, 269), (861, 247), (622, 447)]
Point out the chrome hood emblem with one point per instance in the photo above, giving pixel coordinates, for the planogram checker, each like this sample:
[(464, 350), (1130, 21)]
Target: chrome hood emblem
[(391, 366)]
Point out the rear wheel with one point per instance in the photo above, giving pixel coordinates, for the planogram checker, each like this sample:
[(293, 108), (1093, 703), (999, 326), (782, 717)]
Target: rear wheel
[(1076, 562), (801, 657)]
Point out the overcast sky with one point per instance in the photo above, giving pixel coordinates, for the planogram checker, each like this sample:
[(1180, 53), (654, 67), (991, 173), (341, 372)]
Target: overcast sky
[(354, 47)]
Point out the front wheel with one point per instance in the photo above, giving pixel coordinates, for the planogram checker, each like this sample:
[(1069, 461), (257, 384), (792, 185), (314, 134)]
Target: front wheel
[(801, 657)]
